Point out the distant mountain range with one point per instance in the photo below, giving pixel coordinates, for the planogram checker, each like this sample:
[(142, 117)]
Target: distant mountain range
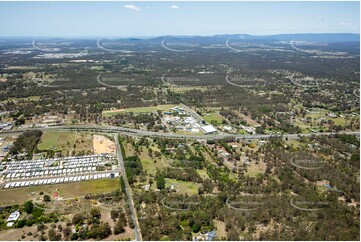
[(327, 37), (343, 37)]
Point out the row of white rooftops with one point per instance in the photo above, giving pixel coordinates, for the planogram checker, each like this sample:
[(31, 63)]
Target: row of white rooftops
[(61, 180), (64, 165), (17, 175), (69, 165), (64, 159)]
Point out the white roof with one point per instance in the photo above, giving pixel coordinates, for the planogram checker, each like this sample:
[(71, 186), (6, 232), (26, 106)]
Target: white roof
[(13, 216), (10, 224), (208, 129)]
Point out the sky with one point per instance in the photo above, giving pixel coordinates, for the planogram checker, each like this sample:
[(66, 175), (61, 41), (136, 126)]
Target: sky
[(137, 19)]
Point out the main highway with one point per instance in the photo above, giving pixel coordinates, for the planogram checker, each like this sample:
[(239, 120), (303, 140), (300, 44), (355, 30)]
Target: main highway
[(144, 133)]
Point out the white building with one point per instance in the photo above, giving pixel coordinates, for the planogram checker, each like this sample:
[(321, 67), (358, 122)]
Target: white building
[(208, 129), (227, 128), (13, 216)]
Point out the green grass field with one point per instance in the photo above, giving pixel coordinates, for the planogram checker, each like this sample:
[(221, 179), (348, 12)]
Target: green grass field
[(139, 110), (241, 131), (64, 142), (233, 176), (203, 174), (293, 142), (315, 118), (300, 124), (213, 108), (25, 99), (51, 140), (184, 132), (67, 190), (190, 188), (255, 169), (214, 116), (97, 68), (149, 165)]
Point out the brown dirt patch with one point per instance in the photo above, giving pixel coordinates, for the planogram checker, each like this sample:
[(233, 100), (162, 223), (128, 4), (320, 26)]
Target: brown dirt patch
[(103, 145)]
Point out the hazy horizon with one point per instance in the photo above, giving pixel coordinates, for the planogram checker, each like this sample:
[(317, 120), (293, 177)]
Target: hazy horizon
[(147, 19), (172, 35)]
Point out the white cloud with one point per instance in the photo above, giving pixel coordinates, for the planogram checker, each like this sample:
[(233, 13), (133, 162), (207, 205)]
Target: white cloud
[(133, 7), (175, 7), (319, 16)]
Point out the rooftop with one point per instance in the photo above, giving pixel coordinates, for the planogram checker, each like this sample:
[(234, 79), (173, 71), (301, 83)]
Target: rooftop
[(208, 129)]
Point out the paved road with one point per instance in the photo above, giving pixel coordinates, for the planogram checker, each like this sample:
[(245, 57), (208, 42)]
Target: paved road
[(128, 190), (142, 133)]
